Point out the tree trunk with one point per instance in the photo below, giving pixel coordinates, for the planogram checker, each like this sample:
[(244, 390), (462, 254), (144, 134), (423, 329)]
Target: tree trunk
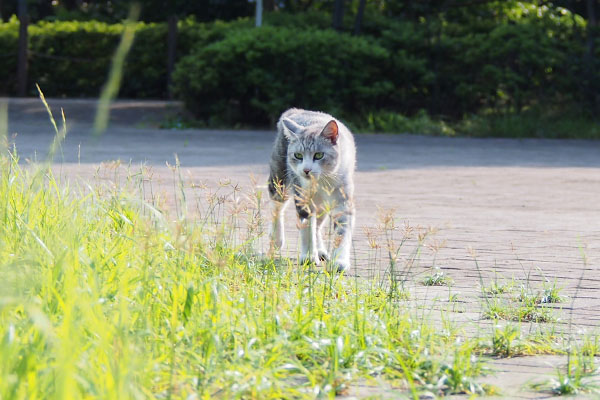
[(22, 50), (171, 52), (70, 4), (359, 17), (592, 25), (269, 5), (590, 61), (338, 14)]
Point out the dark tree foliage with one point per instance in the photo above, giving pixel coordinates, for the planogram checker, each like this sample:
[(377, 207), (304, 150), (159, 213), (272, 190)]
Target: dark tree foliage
[(117, 10), (209, 10), (580, 7)]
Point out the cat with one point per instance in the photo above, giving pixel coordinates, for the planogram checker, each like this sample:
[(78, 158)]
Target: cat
[(314, 157)]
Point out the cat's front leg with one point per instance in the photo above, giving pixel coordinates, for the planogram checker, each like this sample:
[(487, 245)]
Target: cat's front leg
[(308, 240), (277, 228), (321, 247), (343, 224)]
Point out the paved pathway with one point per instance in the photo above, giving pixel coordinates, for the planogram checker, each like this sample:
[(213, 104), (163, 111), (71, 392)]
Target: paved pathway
[(525, 209)]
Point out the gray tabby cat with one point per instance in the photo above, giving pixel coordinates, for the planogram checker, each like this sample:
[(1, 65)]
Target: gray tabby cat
[(314, 157)]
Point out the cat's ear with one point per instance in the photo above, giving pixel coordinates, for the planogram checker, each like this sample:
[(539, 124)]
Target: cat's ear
[(331, 131), (290, 128)]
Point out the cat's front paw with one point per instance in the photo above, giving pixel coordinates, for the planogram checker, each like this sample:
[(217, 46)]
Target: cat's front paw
[(277, 241), (307, 259), (323, 256), (274, 248), (338, 266)]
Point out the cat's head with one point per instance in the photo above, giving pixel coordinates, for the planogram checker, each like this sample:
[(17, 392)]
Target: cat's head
[(312, 151)]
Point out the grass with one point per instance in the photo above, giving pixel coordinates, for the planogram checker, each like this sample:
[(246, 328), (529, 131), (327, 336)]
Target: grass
[(580, 374), (498, 287), (102, 296), (526, 311), (551, 294), (528, 305), (105, 294), (576, 378), (531, 123), (438, 278), (509, 340)]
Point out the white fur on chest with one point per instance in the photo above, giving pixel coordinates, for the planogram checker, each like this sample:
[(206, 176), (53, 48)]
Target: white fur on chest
[(324, 195)]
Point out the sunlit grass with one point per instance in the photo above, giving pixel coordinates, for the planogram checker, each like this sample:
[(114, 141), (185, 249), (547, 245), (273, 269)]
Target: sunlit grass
[(579, 376), (437, 278), (101, 296)]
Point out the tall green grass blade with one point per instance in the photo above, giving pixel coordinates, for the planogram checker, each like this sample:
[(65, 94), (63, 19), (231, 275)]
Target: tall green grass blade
[(59, 134), (113, 83), (3, 127)]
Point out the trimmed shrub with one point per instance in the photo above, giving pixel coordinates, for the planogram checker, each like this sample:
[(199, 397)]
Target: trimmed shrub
[(72, 58), (9, 33), (253, 75)]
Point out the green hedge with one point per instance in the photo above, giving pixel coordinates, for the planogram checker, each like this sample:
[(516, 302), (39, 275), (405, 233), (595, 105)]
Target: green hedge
[(532, 59), (252, 75), (72, 58), (9, 33)]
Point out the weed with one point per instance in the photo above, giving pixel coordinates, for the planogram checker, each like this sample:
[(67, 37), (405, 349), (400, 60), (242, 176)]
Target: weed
[(453, 297), (508, 340), (590, 346), (527, 310), (548, 295), (505, 341), (497, 287), (439, 278), (577, 379), (581, 364), (551, 293)]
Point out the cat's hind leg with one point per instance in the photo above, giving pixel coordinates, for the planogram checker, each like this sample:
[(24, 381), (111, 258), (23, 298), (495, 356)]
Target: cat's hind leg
[(343, 224)]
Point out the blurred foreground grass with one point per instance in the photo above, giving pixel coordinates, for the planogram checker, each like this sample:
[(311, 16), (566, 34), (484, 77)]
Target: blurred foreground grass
[(101, 297)]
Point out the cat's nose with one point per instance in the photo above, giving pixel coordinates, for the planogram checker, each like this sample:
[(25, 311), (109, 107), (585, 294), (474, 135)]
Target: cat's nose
[(306, 171)]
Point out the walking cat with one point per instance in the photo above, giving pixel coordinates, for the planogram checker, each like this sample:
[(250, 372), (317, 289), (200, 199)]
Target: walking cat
[(314, 158)]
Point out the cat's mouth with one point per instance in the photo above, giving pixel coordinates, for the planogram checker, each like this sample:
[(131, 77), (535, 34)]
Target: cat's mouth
[(310, 176)]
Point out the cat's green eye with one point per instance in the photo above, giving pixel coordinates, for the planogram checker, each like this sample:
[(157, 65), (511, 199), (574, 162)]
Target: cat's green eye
[(298, 156), (318, 155)]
